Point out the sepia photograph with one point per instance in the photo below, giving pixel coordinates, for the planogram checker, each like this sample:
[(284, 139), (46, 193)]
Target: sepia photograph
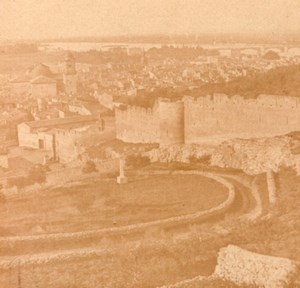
[(149, 143)]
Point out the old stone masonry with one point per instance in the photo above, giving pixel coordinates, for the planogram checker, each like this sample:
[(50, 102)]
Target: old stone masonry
[(191, 119)]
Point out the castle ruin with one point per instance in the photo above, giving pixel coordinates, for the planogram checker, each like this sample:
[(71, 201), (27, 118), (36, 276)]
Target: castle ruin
[(192, 119)]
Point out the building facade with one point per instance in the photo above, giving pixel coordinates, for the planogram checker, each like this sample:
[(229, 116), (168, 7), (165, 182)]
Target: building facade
[(60, 137)]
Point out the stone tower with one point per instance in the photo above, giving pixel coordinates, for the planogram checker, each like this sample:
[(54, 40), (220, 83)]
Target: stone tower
[(171, 122), (70, 75), (144, 59)]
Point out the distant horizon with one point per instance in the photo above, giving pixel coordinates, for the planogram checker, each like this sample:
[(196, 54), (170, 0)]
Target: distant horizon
[(59, 19), (289, 37)]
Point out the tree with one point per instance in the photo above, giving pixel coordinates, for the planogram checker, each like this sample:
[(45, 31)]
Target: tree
[(137, 161), (204, 159), (37, 175), (19, 182), (271, 55), (2, 196), (89, 167)]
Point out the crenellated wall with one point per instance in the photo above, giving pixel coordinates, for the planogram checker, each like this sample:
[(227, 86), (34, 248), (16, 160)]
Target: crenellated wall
[(239, 117), (137, 125), (171, 122), (191, 119)]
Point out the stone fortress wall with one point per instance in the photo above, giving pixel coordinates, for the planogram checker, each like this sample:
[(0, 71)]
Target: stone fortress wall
[(137, 124), (171, 122), (191, 119), (238, 117)]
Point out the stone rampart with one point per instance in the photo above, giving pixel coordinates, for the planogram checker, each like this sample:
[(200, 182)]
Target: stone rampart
[(137, 125), (171, 122), (238, 117), (191, 119)]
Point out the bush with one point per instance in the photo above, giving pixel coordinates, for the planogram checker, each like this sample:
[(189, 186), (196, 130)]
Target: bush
[(271, 55), (179, 166), (19, 182), (2, 198), (205, 159), (37, 175), (89, 167), (137, 161)]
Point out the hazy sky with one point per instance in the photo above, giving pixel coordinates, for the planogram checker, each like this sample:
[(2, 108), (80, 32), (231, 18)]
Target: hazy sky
[(66, 18)]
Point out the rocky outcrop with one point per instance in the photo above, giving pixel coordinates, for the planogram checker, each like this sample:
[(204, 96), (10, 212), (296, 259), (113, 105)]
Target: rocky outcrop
[(254, 156), (245, 267), (179, 153), (237, 266)]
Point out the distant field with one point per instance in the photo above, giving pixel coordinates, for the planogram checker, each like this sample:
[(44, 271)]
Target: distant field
[(104, 203)]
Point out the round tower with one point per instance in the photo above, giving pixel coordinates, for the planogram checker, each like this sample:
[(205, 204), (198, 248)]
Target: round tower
[(171, 122)]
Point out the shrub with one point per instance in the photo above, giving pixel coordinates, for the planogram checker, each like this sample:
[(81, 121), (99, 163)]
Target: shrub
[(271, 55), (205, 159), (37, 175), (2, 198), (179, 166), (137, 161), (19, 182), (89, 167)]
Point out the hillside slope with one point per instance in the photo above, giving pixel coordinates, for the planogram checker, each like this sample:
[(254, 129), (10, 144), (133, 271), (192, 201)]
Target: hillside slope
[(278, 81)]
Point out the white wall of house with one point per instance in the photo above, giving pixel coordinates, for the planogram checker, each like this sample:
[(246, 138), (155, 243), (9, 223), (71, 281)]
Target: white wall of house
[(35, 140)]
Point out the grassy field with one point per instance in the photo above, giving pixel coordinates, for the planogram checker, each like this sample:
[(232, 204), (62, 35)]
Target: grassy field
[(104, 203), (162, 256)]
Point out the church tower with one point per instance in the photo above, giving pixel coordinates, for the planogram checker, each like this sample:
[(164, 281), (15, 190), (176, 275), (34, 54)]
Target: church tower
[(70, 75), (144, 59)]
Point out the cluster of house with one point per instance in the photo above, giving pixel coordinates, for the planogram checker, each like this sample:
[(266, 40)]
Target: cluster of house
[(60, 138), (43, 113), (40, 81), (115, 82)]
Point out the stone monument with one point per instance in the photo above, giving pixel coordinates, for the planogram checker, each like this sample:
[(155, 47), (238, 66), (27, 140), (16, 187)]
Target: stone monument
[(271, 186), (122, 179)]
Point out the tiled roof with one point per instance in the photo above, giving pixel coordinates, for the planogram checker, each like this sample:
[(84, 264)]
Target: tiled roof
[(60, 122), (41, 70)]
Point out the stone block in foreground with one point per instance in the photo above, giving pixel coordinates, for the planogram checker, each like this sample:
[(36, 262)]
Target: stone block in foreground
[(244, 267), (122, 179)]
